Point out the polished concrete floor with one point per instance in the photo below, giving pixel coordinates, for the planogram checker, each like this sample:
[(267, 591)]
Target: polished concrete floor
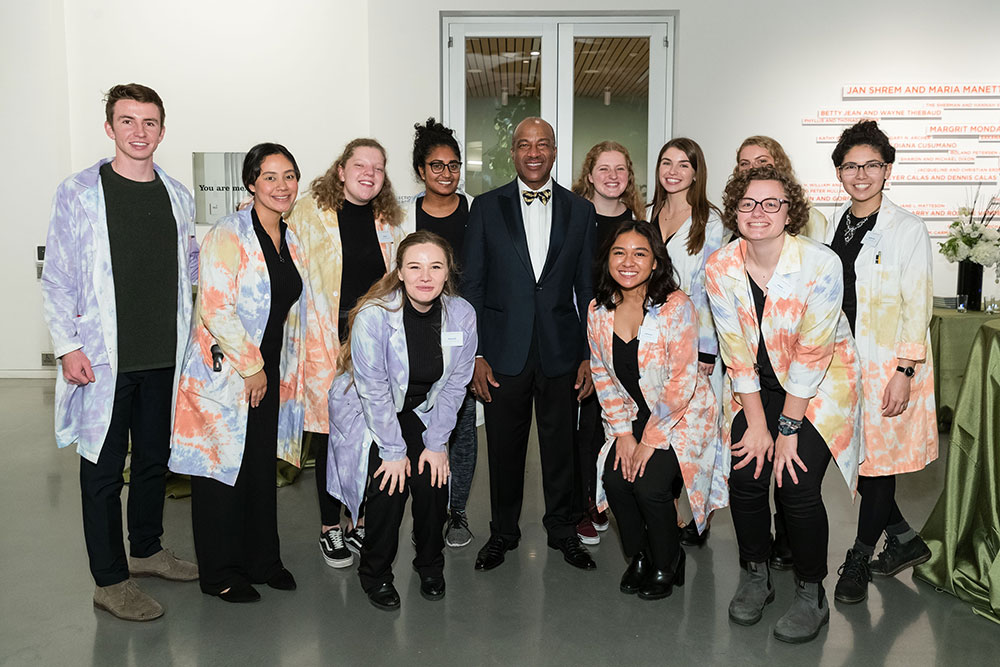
[(534, 609)]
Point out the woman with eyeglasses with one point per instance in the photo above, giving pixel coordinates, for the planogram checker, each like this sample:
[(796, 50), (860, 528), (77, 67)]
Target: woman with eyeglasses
[(760, 151), (349, 225), (888, 287), (792, 402), (441, 208), (691, 229)]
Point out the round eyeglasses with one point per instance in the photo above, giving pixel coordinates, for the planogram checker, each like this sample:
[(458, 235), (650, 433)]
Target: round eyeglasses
[(769, 205)]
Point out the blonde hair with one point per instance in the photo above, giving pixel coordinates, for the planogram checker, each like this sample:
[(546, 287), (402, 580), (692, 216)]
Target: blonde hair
[(328, 189), (630, 195), (778, 154), (382, 293)]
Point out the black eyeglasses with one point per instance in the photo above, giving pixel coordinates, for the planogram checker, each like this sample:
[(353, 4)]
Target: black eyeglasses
[(871, 168), (437, 166), (769, 205)]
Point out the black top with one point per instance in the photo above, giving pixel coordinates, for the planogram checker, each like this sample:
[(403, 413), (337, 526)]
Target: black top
[(848, 252), (606, 225), (143, 236), (423, 351), (765, 371), (286, 288), (451, 227), (363, 262), (625, 357)]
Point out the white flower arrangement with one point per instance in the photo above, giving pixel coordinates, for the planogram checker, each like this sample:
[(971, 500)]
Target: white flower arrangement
[(974, 240)]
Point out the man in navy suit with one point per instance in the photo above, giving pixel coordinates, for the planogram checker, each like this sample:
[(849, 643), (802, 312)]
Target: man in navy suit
[(527, 272)]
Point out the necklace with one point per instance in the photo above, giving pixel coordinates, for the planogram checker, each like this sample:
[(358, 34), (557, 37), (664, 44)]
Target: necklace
[(852, 224)]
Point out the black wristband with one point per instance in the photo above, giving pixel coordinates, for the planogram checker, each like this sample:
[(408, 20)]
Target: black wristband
[(789, 426)]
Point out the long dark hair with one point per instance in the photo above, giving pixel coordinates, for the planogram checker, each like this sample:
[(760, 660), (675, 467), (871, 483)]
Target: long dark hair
[(661, 283), (696, 194)]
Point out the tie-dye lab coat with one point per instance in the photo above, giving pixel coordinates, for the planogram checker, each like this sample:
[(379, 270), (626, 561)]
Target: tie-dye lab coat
[(683, 408), (234, 301), (319, 237), (895, 287), (363, 412), (809, 341), (78, 296)]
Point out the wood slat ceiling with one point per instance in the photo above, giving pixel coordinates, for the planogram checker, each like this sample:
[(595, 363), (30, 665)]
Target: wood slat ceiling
[(619, 65)]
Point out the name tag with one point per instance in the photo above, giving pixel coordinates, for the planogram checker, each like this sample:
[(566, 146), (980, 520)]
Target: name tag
[(779, 287), (384, 236), (648, 334), (452, 338), (872, 238)]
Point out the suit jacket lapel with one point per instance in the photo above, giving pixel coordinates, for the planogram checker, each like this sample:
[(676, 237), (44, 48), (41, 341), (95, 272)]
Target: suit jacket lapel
[(510, 208), (557, 232)]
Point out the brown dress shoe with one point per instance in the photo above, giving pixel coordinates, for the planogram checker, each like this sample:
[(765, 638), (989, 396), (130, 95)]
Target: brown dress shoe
[(127, 602), (165, 565)]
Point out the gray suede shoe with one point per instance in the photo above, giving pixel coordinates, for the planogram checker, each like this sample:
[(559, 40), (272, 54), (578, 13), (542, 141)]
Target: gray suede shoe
[(752, 594), (809, 612), (127, 602), (165, 565)]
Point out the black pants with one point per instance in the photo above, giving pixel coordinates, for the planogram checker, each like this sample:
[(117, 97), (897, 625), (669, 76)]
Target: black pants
[(878, 508), (141, 408), (329, 507), (805, 514), (644, 509), (589, 440), (508, 422), (236, 527), (384, 515)]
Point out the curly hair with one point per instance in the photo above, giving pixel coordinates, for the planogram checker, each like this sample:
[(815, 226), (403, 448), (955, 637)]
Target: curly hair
[(390, 283), (630, 195), (429, 136), (328, 189), (736, 188), (661, 283), (696, 194), (774, 149), (863, 133)]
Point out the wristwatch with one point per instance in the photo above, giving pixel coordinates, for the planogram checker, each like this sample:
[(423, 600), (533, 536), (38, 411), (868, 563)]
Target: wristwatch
[(908, 372)]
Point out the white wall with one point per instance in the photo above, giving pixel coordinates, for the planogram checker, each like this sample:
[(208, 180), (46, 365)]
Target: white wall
[(312, 75)]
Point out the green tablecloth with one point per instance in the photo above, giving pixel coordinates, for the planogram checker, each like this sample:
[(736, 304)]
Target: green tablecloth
[(963, 531), (952, 334)]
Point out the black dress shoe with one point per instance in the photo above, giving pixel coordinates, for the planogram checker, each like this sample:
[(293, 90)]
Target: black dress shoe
[(635, 574), (243, 592), (384, 597), (781, 554), (574, 552), (492, 553), (659, 583), (690, 536), (432, 588), (282, 580)]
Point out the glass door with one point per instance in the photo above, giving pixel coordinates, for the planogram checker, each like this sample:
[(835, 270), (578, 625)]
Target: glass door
[(594, 78)]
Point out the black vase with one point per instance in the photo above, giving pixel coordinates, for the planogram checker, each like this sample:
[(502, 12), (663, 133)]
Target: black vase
[(970, 282)]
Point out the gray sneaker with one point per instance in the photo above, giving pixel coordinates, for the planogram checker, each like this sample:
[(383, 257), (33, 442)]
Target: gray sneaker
[(752, 595), (165, 565), (458, 533), (127, 602)]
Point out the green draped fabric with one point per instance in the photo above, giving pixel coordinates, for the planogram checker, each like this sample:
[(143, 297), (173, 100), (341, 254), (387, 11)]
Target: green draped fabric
[(952, 334), (963, 531)]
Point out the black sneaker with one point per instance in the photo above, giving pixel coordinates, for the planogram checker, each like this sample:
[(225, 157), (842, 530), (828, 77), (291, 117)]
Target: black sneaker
[(855, 573), (896, 556), (335, 552), (355, 539), (458, 533)]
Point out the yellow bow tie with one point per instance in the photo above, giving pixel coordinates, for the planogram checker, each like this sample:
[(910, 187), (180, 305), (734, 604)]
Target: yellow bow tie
[(541, 195)]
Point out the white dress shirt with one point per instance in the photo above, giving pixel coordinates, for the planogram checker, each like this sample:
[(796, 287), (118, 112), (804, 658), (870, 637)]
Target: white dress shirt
[(537, 225)]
